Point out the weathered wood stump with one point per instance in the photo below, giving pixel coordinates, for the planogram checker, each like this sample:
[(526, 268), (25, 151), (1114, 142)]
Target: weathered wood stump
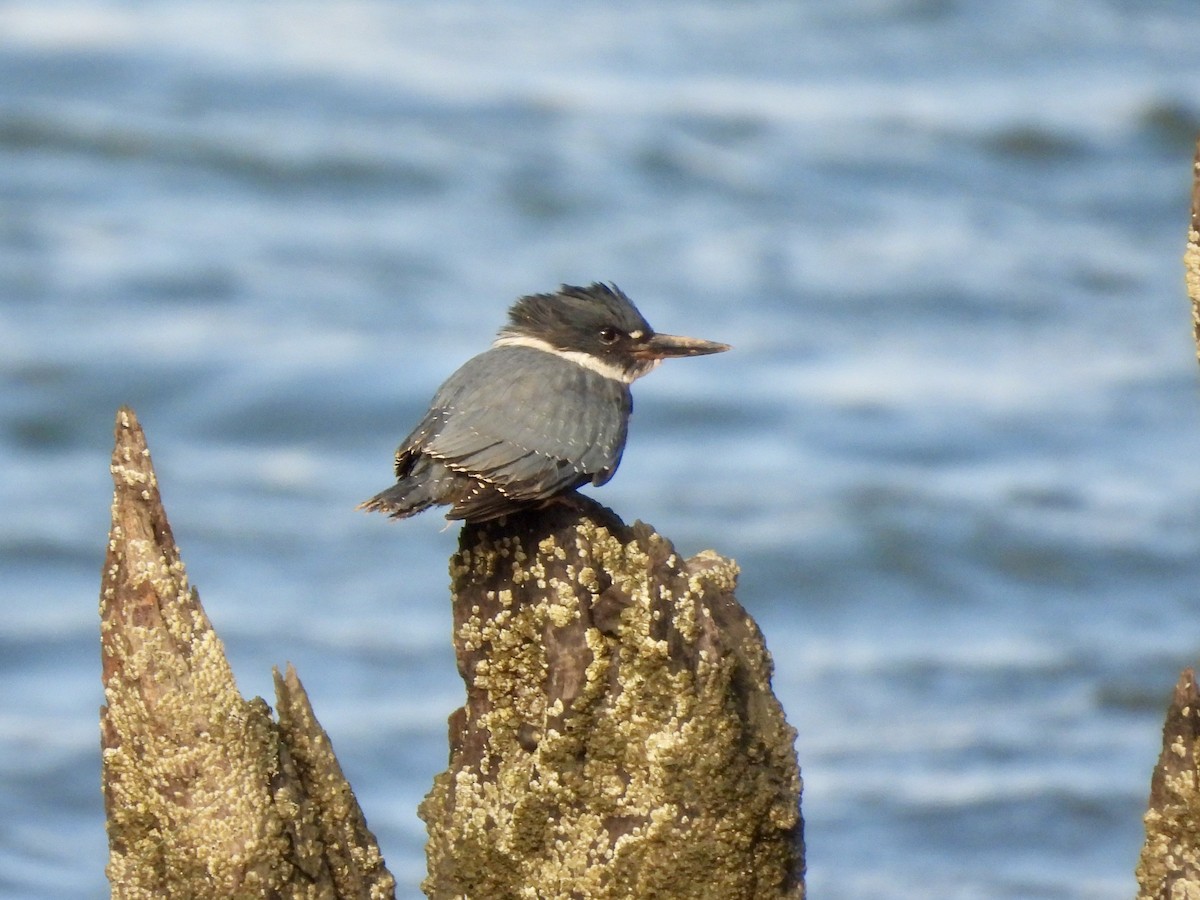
[(206, 795), (620, 737), (1169, 868)]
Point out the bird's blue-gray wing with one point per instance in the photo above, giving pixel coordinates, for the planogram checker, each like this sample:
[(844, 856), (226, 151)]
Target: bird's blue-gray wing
[(527, 421)]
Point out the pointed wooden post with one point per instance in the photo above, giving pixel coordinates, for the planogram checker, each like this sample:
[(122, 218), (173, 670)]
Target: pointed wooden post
[(1169, 867), (206, 795)]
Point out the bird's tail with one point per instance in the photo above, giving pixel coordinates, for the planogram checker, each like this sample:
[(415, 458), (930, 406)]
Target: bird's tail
[(416, 492)]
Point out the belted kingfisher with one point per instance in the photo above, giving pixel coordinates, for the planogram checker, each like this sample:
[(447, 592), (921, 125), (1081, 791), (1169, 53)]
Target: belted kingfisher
[(542, 412)]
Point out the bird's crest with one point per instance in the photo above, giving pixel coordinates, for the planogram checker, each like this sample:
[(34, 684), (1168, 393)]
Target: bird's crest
[(573, 306)]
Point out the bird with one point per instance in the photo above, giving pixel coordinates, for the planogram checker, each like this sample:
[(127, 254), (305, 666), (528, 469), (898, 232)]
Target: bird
[(543, 411)]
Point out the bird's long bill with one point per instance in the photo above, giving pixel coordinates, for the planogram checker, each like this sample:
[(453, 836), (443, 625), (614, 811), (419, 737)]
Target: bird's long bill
[(661, 346)]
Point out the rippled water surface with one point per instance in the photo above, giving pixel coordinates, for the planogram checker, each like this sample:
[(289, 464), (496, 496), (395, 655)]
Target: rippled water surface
[(953, 451)]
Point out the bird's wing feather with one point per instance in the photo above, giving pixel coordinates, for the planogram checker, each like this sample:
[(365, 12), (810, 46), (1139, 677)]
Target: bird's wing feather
[(526, 421)]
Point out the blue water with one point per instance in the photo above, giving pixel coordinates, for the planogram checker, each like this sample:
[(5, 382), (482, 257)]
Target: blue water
[(953, 451)]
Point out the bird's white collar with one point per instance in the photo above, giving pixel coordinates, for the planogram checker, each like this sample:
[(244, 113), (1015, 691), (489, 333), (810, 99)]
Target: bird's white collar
[(586, 360)]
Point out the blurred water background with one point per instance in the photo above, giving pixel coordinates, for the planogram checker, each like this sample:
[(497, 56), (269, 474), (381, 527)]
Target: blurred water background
[(954, 450)]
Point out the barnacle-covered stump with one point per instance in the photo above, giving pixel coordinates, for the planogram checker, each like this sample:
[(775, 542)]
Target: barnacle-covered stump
[(206, 795), (1169, 868), (620, 737)]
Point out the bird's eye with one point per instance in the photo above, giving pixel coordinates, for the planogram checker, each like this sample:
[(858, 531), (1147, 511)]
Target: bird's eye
[(609, 335)]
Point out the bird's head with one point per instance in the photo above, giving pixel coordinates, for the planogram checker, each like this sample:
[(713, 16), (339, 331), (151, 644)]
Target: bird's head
[(598, 327)]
